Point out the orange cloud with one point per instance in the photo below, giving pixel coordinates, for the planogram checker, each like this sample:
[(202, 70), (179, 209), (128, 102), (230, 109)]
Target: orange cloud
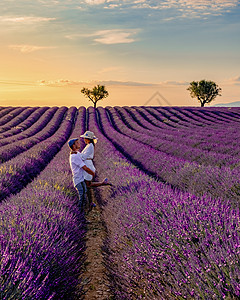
[(28, 48), (24, 19)]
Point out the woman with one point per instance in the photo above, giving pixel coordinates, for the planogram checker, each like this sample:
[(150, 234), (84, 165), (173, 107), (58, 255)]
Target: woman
[(87, 155)]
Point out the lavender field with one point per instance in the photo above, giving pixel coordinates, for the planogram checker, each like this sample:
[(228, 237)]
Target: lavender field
[(171, 216)]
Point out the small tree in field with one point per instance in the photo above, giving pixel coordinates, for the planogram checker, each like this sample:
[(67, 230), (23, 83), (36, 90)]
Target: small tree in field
[(97, 93), (205, 91)]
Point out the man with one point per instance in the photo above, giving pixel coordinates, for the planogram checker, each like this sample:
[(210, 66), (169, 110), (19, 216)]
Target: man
[(77, 166)]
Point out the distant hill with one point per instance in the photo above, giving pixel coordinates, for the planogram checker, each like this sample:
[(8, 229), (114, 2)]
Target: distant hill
[(232, 104)]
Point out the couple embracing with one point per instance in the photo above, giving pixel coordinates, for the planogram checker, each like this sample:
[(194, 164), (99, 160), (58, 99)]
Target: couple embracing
[(82, 167)]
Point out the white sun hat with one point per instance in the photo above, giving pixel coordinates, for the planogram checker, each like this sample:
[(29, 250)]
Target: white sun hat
[(89, 135)]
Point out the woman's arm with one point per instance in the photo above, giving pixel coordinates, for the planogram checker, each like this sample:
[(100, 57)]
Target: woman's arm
[(89, 171)]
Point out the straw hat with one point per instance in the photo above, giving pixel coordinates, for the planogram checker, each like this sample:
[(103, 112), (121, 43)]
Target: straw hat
[(88, 135)]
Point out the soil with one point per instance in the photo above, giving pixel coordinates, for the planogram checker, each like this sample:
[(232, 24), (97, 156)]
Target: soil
[(94, 279)]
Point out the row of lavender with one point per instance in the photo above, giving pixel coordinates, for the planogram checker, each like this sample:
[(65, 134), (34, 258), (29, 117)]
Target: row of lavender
[(163, 243), (127, 126), (9, 121), (221, 129), (183, 132), (202, 140), (7, 113), (194, 136), (175, 116), (29, 126), (19, 171), (17, 122), (42, 230), (10, 114), (49, 123), (199, 137), (185, 175), (209, 116)]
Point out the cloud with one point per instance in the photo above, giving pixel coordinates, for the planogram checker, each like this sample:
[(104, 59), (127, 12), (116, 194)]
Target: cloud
[(126, 83), (139, 1), (24, 19), (74, 36), (168, 82), (233, 81), (95, 2), (170, 3), (114, 36), (108, 37), (186, 8), (28, 48), (191, 8), (59, 82), (236, 79), (112, 6), (67, 82)]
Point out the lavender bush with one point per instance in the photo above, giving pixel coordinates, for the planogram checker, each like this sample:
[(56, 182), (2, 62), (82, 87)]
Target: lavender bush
[(163, 243), (176, 239), (37, 123), (42, 235), (19, 171), (171, 147), (11, 150), (12, 114), (180, 173), (6, 110), (18, 119), (191, 135)]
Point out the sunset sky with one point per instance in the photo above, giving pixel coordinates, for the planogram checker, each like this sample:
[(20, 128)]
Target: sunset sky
[(50, 49)]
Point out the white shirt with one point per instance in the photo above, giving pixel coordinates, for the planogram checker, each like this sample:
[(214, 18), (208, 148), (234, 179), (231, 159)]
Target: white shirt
[(88, 152), (76, 164), (87, 155)]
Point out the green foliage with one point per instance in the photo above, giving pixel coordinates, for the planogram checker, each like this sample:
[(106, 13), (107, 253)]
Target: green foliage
[(205, 91), (97, 93)]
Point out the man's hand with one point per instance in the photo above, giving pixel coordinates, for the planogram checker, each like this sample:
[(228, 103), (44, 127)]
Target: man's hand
[(89, 171)]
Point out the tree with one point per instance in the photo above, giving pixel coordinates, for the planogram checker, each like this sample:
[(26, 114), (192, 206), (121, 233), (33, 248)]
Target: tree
[(205, 91), (97, 93)]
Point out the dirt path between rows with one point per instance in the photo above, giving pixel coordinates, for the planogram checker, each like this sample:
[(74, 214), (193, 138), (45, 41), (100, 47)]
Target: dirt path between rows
[(94, 279)]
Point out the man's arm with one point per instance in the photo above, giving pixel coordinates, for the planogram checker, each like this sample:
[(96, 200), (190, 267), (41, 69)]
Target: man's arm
[(89, 171)]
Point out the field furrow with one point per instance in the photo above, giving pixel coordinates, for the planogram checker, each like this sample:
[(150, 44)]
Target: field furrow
[(19, 171), (6, 110), (168, 117), (13, 122), (14, 113), (28, 126), (11, 150)]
